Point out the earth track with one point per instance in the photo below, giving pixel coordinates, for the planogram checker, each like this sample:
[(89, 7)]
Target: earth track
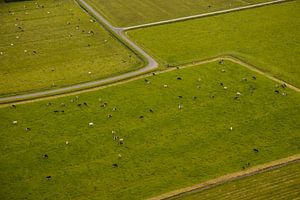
[(228, 178), (151, 64)]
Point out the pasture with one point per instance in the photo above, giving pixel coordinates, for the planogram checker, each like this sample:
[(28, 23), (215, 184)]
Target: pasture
[(135, 12), (177, 129), (282, 183), (48, 44), (267, 37)]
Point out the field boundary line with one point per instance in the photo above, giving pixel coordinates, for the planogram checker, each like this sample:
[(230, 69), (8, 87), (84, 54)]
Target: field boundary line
[(229, 178), (145, 75), (169, 21)]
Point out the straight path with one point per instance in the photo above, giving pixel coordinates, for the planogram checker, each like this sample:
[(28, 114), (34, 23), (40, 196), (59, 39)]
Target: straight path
[(203, 15), (228, 178)]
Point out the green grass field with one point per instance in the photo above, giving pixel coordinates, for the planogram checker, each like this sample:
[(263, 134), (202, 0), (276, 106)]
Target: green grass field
[(278, 184), (167, 149), (134, 12), (267, 37), (54, 41)]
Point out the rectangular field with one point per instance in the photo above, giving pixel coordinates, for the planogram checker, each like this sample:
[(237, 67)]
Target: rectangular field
[(282, 183), (135, 12), (51, 43), (267, 37), (178, 129)]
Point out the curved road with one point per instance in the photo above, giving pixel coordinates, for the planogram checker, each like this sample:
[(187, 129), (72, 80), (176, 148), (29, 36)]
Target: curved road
[(151, 63)]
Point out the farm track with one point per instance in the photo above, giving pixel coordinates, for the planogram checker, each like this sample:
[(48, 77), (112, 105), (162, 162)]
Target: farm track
[(151, 64), (203, 62), (229, 178)]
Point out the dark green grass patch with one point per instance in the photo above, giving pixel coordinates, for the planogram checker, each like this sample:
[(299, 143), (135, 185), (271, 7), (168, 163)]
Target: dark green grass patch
[(49, 44), (267, 37), (166, 149), (281, 183)]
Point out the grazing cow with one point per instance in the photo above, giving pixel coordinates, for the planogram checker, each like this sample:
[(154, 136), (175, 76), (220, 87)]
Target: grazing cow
[(165, 86), (283, 94), (180, 106), (153, 74), (28, 129), (115, 165), (254, 77), (283, 85), (235, 98), (179, 78), (49, 104), (221, 84), (194, 97), (67, 142), (121, 141), (48, 177), (55, 111), (14, 106), (114, 109), (180, 97), (120, 156), (276, 91), (34, 52), (231, 128), (62, 111), (221, 62), (238, 93), (89, 45), (91, 124), (151, 111), (141, 117), (79, 104), (46, 156), (225, 88), (256, 150), (84, 103), (244, 79), (109, 116)]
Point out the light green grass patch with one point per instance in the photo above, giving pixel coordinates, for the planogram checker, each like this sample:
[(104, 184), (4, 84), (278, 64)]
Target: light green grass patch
[(134, 12), (267, 37), (67, 42), (282, 183), (168, 149)]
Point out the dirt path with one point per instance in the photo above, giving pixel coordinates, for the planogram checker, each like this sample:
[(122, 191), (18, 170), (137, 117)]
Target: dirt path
[(228, 178), (204, 15), (119, 33)]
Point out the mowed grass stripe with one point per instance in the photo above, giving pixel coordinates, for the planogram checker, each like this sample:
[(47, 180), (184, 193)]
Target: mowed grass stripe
[(168, 149), (261, 186), (56, 46), (260, 36), (134, 12)]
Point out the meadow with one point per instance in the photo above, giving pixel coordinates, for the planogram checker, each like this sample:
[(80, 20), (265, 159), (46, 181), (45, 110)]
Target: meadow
[(178, 129), (135, 12), (282, 183), (52, 43), (267, 37)]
